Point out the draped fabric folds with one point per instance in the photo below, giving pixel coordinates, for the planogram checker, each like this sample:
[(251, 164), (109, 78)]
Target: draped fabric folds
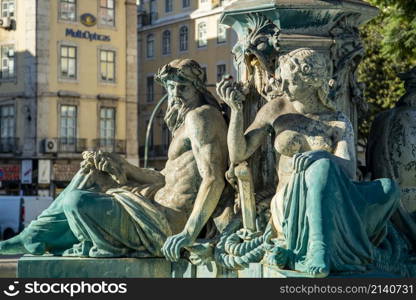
[(87, 222), (350, 218)]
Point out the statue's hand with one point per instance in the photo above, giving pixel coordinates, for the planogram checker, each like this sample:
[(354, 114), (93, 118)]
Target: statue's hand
[(201, 253), (301, 161), (110, 163), (230, 94), (173, 245), (277, 257)]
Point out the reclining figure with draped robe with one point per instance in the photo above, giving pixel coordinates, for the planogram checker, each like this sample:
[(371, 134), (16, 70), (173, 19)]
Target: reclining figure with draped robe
[(114, 209)]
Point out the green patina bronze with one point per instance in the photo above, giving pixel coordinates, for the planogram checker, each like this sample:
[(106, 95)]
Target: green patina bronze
[(293, 205), (114, 209)]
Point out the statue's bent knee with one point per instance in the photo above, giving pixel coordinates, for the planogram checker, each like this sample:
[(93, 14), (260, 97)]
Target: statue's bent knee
[(319, 171), (78, 200)]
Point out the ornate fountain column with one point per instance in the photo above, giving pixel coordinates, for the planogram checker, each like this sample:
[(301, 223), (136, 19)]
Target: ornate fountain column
[(330, 27)]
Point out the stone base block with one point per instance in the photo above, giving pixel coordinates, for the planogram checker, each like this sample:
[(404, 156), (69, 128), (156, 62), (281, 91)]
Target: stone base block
[(68, 267), (65, 267)]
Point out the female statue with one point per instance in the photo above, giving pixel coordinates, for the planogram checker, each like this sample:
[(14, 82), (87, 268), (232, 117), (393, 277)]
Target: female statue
[(323, 221)]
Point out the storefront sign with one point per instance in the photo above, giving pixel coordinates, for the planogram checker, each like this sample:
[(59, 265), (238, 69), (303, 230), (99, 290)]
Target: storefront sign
[(27, 167), (44, 171), (9, 172), (85, 34), (65, 172)]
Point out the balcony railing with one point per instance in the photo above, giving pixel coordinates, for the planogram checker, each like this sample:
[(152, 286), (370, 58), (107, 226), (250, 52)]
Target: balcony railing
[(110, 145), (71, 145), (9, 145)]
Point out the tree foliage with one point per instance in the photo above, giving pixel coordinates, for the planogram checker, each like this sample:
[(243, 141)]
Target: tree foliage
[(390, 41)]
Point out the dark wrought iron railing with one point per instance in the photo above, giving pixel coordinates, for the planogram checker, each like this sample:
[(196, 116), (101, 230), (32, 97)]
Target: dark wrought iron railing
[(71, 145), (9, 144)]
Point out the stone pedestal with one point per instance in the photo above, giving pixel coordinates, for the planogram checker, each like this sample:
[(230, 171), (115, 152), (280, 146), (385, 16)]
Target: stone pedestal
[(68, 267), (65, 267)]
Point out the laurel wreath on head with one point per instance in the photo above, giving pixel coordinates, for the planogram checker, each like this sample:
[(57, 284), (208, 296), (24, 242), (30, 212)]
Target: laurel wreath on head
[(186, 69)]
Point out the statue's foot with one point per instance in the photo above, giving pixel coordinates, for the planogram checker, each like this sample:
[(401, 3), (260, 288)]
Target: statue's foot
[(13, 246), (101, 253), (317, 260), (318, 271), (78, 250)]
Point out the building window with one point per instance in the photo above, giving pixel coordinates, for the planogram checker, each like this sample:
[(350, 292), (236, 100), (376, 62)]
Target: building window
[(7, 121), (150, 46), (153, 11), (68, 131), (8, 142), (168, 5), (221, 69), (221, 34), (107, 65), (107, 12), (150, 89), (107, 128), (202, 35), (67, 10), (8, 8), (7, 59), (183, 38), (68, 63), (186, 3), (166, 48)]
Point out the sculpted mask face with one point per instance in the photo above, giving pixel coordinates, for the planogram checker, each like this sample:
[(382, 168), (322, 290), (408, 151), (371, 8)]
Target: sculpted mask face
[(182, 97), (258, 51)]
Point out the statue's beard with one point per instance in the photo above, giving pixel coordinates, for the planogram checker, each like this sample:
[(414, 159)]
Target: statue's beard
[(175, 114)]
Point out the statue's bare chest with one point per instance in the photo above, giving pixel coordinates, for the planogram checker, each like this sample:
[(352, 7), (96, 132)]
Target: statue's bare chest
[(179, 144), (301, 134)]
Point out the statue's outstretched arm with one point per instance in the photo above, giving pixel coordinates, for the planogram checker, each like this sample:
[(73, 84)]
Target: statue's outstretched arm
[(241, 145), (210, 151), (143, 175), (119, 168)]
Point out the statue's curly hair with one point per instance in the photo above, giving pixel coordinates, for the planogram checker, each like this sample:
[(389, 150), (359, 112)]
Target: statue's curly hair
[(312, 68)]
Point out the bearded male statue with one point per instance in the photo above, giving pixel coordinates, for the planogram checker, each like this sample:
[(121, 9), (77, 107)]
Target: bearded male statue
[(114, 209)]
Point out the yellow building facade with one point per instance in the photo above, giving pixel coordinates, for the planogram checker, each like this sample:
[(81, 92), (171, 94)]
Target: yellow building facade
[(68, 83), (170, 29)]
